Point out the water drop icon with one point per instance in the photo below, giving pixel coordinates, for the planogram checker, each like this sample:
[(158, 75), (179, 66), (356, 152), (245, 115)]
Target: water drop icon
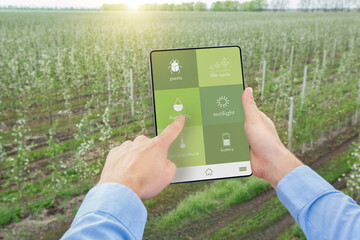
[(178, 106)]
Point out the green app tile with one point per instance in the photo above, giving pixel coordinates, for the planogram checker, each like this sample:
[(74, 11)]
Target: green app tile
[(226, 143), (174, 69), (171, 103), (188, 148), (219, 66), (222, 104)]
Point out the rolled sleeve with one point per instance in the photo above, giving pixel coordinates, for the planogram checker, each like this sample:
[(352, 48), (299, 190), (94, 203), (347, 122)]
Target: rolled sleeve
[(299, 187), (321, 211), (112, 210)]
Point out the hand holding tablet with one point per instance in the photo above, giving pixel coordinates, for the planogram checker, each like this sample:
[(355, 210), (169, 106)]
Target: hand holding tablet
[(204, 85)]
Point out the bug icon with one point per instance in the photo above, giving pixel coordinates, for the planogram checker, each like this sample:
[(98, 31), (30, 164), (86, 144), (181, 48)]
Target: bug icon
[(174, 66)]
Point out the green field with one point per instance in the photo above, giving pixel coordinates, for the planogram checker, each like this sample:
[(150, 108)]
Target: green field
[(67, 79)]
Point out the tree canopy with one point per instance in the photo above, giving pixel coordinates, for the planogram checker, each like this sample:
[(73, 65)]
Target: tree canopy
[(114, 7)]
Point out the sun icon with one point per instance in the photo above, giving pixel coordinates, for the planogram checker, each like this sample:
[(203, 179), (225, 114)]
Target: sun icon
[(222, 101)]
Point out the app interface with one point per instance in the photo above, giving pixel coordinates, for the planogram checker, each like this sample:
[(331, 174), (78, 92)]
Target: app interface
[(205, 85)]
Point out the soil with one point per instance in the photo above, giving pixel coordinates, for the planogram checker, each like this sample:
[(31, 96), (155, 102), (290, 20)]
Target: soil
[(50, 221)]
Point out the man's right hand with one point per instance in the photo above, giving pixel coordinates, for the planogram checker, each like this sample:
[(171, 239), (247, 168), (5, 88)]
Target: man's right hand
[(142, 164), (270, 159)]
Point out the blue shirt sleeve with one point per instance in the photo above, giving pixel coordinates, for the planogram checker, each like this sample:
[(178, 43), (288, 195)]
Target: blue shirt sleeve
[(109, 211), (321, 211)]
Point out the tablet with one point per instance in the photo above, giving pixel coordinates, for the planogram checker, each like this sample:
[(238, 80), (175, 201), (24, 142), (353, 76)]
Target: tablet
[(205, 85)]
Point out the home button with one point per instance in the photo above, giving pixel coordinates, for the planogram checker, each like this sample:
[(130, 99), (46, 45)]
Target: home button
[(209, 172)]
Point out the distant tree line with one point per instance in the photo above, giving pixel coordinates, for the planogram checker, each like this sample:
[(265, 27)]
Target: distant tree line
[(192, 6), (328, 5), (254, 5), (316, 5), (14, 7)]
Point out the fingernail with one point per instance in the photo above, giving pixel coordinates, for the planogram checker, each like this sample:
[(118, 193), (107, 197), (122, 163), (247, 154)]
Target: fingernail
[(250, 92), (181, 116)]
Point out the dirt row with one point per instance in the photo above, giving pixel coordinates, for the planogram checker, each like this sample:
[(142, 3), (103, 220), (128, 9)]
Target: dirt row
[(38, 168)]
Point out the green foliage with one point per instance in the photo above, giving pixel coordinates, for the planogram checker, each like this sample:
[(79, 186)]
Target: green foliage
[(298, 232), (294, 232), (353, 177), (252, 6), (200, 6), (6, 215), (114, 7)]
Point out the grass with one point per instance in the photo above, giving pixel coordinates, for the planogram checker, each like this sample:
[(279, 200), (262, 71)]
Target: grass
[(219, 195), (263, 216), (294, 232)]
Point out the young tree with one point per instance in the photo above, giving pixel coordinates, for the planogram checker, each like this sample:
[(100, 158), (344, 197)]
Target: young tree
[(2, 156), (84, 136), (19, 171), (56, 164), (106, 128)]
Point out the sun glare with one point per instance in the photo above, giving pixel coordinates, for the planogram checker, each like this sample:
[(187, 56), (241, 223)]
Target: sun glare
[(134, 4)]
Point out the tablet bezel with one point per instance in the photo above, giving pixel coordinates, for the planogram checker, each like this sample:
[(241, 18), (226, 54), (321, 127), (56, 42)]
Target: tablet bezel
[(154, 110)]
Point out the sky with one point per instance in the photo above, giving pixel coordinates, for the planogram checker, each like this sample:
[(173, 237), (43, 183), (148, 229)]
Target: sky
[(97, 3)]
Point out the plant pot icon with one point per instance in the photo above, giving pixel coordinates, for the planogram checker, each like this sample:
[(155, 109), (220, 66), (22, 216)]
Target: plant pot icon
[(178, 106)]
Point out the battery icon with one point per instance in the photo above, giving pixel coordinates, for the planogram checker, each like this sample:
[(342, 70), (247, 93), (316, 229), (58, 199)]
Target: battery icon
[(226, 139)]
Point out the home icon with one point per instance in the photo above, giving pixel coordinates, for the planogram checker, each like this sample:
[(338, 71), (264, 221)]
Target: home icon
[(209, 172)]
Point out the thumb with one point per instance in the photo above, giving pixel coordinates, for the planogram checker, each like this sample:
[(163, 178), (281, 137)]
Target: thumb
[(171, 132), (249, 105)]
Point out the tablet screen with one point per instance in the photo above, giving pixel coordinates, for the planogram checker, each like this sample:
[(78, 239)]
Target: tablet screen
[(205, 85)]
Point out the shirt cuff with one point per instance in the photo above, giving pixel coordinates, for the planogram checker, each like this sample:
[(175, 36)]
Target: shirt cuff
[(118, 201), (300, 187)]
